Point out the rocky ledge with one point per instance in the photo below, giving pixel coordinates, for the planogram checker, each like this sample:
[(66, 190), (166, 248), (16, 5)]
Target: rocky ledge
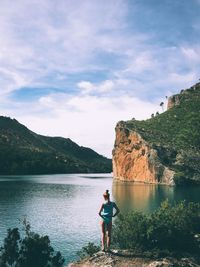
[(126, 259)]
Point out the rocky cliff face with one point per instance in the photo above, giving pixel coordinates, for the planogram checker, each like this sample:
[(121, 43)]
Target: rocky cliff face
[(163, 149), (135, 160), (173, 101)]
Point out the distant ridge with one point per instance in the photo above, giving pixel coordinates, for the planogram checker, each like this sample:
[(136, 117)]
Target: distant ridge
[(25, 152)]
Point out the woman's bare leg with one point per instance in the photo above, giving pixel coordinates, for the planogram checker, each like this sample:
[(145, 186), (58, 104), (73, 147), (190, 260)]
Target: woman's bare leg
[(109, 230), (103, 235)]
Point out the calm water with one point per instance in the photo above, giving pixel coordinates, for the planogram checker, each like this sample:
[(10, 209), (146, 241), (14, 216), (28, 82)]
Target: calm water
[(65, 207)]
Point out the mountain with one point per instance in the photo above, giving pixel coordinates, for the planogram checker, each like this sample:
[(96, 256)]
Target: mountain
[(25, 152), (163, 149)]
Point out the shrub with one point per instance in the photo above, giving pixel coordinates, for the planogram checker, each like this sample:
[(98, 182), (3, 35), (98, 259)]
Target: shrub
[(170, 228), (88, 250), (130, 231)]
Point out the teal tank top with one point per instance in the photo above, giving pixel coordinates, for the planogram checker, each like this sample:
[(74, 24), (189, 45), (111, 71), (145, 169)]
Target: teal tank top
[(107, 211)]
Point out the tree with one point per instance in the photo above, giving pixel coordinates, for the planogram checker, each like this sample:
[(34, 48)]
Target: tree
[(162, 105), (31, 251), (10, 250)]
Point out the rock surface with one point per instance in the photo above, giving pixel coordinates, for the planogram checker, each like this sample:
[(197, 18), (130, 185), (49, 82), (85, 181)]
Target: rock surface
[(123, 259), (173, 101), (135, 160)]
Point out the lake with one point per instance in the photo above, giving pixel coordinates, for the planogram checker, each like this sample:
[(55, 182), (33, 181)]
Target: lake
[(66, 206)]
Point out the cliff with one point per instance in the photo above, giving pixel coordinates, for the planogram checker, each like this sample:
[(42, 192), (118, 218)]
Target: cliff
[(164, 149), (135, 160), (126, 259), (25, 152)]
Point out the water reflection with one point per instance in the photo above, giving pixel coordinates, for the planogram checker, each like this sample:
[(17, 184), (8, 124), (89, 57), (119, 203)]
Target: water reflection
[(141, 197)]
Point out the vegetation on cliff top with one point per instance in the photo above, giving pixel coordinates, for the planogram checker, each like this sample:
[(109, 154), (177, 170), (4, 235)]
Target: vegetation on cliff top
[(175, 135), (25, 152)]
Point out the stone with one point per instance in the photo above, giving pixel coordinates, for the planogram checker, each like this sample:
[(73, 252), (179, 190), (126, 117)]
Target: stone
[(135, 160)]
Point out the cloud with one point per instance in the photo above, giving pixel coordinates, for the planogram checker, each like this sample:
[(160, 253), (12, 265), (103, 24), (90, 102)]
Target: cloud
[(42, 42), (41, 38), (141, 62), (176, 78), (87, 119), (103, 87), (92, 63), (86, 86)]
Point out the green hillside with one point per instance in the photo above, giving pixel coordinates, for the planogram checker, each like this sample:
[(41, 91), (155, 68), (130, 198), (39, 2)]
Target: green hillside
[(175, 134), (25, 152)]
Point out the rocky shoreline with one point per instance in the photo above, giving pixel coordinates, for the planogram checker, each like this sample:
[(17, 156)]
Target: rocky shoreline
[(127, 259)]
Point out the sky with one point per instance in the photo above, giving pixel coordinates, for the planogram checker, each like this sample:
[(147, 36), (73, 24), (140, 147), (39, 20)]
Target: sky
[(75, 68)]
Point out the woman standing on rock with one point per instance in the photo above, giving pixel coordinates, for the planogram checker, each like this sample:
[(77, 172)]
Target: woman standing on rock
[(106, 213)]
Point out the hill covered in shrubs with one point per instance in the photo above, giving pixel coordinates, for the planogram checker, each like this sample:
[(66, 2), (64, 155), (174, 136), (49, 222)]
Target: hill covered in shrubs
[(175, 135), (25, 152)]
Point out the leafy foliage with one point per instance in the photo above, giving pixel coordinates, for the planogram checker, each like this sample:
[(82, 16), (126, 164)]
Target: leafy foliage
[(10, 251), (24, 152), (88, 250), (130, 231), (171, 228), (175, 135), (30, 251)]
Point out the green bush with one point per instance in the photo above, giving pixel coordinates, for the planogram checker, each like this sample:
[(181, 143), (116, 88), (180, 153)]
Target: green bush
[(88, 250), (170, 228), (130, 231), (30, 251)]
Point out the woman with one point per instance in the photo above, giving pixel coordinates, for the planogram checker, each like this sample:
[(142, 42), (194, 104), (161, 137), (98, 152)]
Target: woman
[(106, 213)]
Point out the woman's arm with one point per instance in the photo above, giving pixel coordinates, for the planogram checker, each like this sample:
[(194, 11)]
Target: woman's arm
[(101, 211), (117, 210)]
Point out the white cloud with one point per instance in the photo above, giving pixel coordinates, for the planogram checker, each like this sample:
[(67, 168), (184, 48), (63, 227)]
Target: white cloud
[(88, 120), (141, 62), (106, 86), (183, 79), (86, 87), (44, 37), (11, 80), (44, 43), (103, 87), (190, 53)]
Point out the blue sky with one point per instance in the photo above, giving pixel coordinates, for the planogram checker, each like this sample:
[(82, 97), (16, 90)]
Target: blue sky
[(75, 68)]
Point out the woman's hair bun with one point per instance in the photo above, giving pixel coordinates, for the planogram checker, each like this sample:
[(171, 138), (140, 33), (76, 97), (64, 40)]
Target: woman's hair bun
[(106, 194)]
